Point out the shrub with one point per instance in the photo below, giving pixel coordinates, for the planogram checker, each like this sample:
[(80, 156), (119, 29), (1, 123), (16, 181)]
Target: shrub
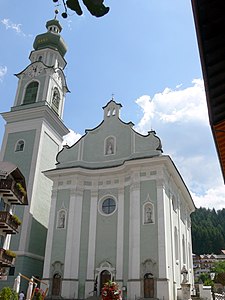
[(6, 293)]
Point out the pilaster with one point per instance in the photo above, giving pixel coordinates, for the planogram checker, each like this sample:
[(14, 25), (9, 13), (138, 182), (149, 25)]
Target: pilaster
[(120, 235)]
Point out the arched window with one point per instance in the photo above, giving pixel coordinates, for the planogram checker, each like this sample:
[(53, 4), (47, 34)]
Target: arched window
[(31, 93), (176, 244), (174, 203), (19, 146), (55, 99), (61, 220), (184, 249)]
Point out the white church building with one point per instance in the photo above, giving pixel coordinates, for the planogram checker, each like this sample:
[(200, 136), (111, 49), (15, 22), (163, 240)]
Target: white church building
[(120, 211), (116, 208)]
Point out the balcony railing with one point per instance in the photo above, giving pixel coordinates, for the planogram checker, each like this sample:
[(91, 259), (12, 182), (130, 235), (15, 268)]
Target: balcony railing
[(10, 190), (6, 260), (8, 223)]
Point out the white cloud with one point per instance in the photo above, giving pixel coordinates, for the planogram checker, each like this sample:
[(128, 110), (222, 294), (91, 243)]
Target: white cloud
[(3, 71), (71, 138), (10, 25), (178, 105), (213, 198), (15, 27), (180, 118)]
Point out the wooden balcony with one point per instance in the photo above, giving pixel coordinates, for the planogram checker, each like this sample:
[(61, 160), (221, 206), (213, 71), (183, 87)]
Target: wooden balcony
[(10, 191), (7, 223), (6, 260)]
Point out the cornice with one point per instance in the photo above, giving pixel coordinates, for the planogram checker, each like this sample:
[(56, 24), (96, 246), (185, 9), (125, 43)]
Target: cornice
[(43, 113)]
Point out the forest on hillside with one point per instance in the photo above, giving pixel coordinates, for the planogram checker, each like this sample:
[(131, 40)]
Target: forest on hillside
[(208, 231)]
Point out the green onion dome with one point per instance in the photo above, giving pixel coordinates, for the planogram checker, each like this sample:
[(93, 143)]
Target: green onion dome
[(51, 39)]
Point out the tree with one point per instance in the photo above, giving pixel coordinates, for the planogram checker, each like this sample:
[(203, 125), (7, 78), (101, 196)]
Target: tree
[(208, 226), (8, 294), (95, 7), (219, 269)]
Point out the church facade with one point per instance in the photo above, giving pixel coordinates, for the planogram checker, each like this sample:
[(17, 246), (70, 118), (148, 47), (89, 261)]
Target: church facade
[(120, 211)]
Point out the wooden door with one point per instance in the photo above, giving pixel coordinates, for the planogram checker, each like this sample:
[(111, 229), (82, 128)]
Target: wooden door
[(148, 286), (56, 285), (104, 277)]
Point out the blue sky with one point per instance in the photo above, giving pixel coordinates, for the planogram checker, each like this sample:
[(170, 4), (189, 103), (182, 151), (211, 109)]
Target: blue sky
[(145, 53)]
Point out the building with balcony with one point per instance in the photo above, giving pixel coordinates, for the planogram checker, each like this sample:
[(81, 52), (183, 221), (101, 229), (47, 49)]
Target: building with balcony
[(13, 193)]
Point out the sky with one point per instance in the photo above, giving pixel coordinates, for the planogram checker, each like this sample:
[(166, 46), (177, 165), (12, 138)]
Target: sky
[(145, 53)]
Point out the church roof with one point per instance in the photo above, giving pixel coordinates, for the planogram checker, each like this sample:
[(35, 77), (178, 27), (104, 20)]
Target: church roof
[(51, 39), (109, 144)]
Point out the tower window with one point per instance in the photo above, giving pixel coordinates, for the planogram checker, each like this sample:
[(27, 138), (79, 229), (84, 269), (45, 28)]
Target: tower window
[(55, 99), (19, 146), (31, 93)]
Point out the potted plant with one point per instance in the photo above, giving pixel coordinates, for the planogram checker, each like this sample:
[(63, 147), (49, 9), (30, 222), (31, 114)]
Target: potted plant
[(10, 253), (21, 188), (16, 219)]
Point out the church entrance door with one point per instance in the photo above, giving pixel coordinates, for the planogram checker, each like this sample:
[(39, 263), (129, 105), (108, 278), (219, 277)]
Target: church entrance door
[(104, 277), (56, 285), (148, 286)]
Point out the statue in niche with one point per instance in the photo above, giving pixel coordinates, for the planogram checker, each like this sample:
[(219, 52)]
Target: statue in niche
[(61, 220), (109, 146), (148, 214)]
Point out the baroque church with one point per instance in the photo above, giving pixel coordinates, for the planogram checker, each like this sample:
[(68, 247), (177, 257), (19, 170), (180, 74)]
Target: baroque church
[(115, 207)]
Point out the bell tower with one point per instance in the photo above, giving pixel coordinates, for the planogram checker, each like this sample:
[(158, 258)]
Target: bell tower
[(43, 82), (33, 136)]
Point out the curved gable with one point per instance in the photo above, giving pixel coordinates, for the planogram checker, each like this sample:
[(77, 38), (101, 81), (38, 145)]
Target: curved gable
[(109, 144)]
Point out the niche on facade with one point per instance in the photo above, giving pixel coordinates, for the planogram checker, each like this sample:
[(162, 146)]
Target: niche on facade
[(61, 218), (109, 145), (148, 213)]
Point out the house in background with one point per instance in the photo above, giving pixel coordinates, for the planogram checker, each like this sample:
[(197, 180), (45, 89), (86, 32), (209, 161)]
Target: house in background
[(13, 193), (203, 264)]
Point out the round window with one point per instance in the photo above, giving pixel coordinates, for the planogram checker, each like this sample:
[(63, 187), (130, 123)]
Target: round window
[(108, 206)]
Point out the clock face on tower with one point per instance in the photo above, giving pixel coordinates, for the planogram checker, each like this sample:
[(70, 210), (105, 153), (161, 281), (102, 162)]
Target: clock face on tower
[(34, 70)]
